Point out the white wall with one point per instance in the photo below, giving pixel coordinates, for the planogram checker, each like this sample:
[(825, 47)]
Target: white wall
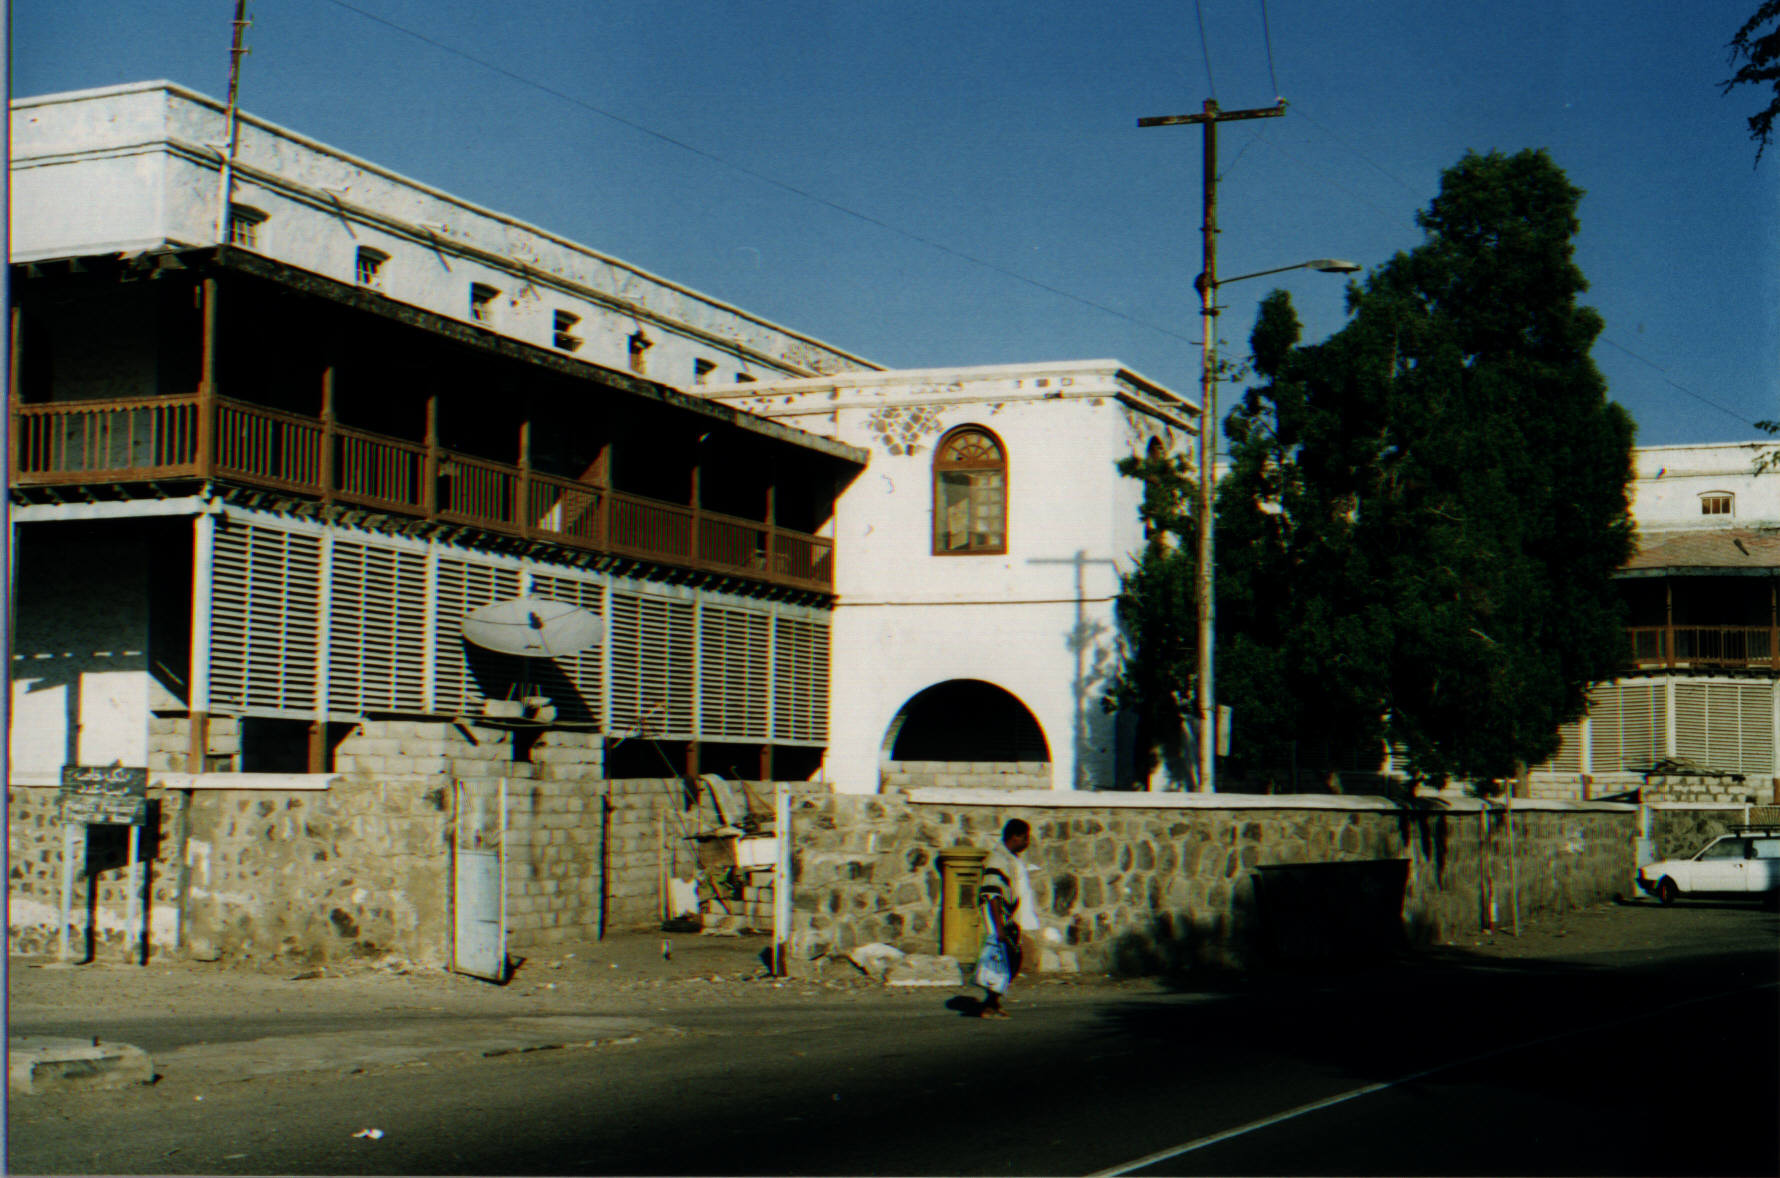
[(81, 690), (1037, 621), (1671, 479), (131, 167)]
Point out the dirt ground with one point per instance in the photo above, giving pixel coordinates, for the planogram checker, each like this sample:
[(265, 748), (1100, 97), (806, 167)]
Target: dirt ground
[(657, 971)]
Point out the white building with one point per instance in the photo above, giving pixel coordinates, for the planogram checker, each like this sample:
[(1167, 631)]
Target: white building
[(974, 632), (271, 450), (273, 447), (1702, 692)]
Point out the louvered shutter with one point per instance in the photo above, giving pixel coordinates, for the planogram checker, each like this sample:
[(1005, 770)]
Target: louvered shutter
[(583, 671), (651, 666), (800, 680), (1756, 705), (1726, 726), (732, 680), (1626, 726), (264, 603), (1568, 758), (460, 587), (377, 628)]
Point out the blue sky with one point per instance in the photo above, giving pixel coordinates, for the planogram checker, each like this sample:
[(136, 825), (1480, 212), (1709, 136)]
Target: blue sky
[(982, 152)]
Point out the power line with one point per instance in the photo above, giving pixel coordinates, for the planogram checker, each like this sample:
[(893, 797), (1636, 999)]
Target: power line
[(761, 176), (1267, 39), (1205, 50), (1678, 386)]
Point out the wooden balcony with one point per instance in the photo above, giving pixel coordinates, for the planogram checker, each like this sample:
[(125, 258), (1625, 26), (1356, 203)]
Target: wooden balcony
[(1709, 647), (154, 439)]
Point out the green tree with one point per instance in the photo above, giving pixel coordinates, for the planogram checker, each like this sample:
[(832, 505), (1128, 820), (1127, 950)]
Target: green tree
[(1156, 615), (1759, 51), (1433, 500)]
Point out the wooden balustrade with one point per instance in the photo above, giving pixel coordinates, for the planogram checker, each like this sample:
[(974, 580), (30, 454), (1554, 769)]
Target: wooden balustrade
[(267, 446), (1702, 646), (476, 491), (376, 471), (645, 527), (562, 509), (136, 438), (152, 438)]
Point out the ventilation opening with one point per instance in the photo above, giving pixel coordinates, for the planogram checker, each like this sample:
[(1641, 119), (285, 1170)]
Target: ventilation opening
[(966, 720), (282, 746)]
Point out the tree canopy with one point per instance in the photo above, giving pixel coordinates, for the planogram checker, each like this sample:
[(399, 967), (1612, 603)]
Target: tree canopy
[(1424, 512), (1757, 46)]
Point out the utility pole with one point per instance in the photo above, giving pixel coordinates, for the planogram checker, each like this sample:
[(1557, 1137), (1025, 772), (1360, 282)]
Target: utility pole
[(1207, 284), (232, 122)]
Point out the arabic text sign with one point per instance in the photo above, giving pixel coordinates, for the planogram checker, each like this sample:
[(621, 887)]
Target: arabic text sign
[(104, 794)]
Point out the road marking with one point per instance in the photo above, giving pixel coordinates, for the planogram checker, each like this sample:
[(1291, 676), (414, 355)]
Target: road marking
[(1303, 1110)]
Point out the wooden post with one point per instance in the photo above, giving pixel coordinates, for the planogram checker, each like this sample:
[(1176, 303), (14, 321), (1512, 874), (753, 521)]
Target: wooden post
[(328, 439), (429, 491), (697, 506), (1668, 622), (15, 367), (207, 380), (766, 762), (692, 760), (772, 522), (318, 746), (523, 499)]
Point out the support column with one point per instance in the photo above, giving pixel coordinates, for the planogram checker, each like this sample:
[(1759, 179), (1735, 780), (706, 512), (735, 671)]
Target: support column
[(198, 681), (522, 509), (15, 367), (328, 439), (202, 455), (697, 505), (429, 491)]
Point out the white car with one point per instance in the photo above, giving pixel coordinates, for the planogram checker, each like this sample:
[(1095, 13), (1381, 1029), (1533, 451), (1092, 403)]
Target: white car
[(1743, 863)]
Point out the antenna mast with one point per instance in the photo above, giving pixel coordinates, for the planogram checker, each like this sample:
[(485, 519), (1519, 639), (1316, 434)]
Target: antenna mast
[(231, 119)]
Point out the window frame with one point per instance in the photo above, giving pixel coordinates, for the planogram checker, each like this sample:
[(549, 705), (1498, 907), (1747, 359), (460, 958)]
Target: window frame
[(367, 267), (942, 466), (482, 300), (244, 221), (1715, 503)]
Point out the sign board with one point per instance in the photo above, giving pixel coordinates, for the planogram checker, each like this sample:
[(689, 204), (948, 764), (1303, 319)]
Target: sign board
[(104, 794)]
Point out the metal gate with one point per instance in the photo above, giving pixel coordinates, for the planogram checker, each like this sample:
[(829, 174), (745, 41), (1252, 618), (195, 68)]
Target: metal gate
[(479, 882)]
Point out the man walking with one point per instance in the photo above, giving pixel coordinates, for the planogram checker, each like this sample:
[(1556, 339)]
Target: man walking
[(1010, 915)]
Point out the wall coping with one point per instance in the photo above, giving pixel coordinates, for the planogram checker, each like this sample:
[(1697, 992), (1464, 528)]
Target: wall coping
[(272, 781), (1041, 799)]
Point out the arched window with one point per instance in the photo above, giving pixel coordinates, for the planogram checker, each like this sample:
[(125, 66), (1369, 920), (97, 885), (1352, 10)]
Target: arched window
[(969, 493)]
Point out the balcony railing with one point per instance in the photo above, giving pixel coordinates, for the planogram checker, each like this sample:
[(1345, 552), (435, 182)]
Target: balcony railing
[(1702, 646), (147, 439)]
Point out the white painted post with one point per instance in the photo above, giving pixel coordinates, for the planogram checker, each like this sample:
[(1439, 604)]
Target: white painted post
[(133, 902), (203, 589)]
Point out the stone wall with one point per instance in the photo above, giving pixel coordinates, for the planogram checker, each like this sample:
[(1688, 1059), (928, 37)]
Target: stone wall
[(1678, 830), (1140, 882), (358, 863)]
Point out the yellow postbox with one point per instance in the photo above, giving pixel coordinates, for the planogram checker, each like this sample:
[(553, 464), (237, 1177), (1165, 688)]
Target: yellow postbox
[(960, 921)]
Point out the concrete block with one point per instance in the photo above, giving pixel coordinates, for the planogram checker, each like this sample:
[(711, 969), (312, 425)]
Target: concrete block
[(37, 1064)]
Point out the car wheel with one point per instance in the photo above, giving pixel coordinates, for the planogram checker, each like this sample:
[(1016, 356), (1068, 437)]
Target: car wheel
[(1666, 891)]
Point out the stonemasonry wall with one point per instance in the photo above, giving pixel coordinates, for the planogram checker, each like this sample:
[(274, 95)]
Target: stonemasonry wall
[(1131, 888), (363, 867)]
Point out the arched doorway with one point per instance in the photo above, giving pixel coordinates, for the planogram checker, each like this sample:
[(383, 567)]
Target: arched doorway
[(969, 731)]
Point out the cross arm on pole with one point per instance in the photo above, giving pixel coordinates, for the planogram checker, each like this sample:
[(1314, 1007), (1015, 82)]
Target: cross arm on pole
[(1212, 114)]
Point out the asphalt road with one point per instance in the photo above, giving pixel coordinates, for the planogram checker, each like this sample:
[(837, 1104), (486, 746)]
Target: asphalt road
[(1648, 1061)]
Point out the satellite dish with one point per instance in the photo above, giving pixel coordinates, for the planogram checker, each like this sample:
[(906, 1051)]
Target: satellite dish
[(533, 627)]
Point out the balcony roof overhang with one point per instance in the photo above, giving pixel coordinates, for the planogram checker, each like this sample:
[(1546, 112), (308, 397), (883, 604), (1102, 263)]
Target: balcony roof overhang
[(229, 259), (1729, 552)]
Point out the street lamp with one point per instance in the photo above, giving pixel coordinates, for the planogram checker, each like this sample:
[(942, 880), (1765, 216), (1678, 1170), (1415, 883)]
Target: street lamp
[(1207, 285)]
